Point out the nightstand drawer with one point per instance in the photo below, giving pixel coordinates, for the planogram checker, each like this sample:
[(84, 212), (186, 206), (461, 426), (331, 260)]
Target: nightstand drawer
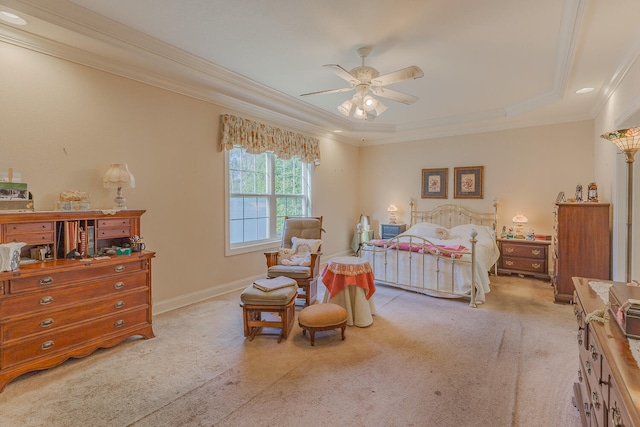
[(523, 251), (523, 264)]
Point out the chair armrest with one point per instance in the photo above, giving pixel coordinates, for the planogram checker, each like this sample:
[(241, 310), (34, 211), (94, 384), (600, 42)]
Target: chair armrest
[(272, 258), (315, 264)]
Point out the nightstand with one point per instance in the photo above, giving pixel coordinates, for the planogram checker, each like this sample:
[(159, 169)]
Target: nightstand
[(528, 257), (388, 231)]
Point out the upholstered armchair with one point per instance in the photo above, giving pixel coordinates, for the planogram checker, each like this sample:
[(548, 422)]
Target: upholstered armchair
[(299, 256)]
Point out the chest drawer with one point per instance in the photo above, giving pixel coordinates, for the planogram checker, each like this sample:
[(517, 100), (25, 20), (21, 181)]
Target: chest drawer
[(52, 320), (58, 298), (109, 228), (63, 340), (48, 280)]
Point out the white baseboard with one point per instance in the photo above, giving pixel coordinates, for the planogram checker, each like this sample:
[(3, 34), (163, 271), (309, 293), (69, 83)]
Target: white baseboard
[(164, 306)]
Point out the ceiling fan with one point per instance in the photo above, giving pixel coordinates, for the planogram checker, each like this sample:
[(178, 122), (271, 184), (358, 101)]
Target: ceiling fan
[(363, 79)]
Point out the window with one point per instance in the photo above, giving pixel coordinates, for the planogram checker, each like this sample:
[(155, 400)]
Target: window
[(262, 189)]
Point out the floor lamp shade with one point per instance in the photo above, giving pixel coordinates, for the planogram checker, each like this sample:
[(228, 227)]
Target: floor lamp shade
[(628, 141)]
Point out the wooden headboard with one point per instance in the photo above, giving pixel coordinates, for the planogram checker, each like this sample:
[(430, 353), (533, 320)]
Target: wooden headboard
[(451, 215)]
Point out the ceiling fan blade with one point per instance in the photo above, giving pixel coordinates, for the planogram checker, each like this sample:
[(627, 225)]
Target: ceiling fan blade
[(322, 92), (394, 95), (342, 73), (412, 72)]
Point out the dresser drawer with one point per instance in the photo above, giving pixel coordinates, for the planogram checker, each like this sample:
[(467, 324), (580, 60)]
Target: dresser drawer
[(618, 414), (48, 280), (57, 298), (51, 320), (534, 266), (63, 340)]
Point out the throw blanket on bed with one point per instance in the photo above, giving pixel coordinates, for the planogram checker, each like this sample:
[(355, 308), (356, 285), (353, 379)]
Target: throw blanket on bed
[(417, 247)]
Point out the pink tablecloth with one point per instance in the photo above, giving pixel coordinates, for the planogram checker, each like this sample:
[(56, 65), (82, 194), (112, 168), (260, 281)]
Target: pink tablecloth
[(341, 272)]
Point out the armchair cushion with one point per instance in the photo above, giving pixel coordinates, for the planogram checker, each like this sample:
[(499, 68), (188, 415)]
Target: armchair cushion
[(291, 271), (285, 254)]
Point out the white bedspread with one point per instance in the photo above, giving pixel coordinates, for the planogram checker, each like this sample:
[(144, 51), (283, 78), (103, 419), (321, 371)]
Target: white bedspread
[(425, 273)]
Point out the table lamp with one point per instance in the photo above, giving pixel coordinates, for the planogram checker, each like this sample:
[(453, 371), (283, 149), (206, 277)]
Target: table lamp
[(519, 220), (118, 176), (392, 209)]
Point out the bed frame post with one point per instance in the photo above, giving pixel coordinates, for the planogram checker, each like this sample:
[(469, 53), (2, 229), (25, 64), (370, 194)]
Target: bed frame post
[(473, 241), (495, 231)]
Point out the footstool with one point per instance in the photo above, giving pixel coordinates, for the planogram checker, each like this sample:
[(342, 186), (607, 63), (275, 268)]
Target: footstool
[(255, 302), (322, 317)]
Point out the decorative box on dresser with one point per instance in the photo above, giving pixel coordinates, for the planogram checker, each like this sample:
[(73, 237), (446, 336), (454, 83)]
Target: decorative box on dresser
[(528, 257), (607, 393), (389, 231), (582, 245), (59, 308)]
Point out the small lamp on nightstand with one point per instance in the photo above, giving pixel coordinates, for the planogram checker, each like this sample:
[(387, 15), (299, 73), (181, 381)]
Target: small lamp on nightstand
[(118, 176), (392, 209), (519, 220)]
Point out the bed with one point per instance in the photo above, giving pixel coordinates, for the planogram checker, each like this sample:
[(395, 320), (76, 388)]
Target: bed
[(444, 252)]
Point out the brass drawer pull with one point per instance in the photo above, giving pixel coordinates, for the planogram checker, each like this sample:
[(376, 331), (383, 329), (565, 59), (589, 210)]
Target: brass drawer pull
[(508, 262), (119, 304), (46, 345), (46, 300), (119, 268), (119, 323), (535, 251), (119, 285), (46, 322), (508, 250), (536, 265), (594, 353), (46, 280)]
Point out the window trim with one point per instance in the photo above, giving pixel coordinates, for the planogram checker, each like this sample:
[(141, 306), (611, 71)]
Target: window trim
[(255, 245)]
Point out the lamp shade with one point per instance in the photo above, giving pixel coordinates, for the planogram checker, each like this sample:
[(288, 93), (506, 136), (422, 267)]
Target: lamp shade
[(627, 140), (519, 219), (392, 208), (118, 176)]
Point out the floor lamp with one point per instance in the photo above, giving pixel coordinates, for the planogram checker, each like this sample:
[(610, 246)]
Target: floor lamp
[(628, 141)]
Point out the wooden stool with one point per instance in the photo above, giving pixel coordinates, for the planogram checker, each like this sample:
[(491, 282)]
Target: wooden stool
[(322, 317), (255, 302)]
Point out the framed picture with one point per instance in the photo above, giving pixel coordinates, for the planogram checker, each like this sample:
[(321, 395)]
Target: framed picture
[(434, 183), (468, 182)]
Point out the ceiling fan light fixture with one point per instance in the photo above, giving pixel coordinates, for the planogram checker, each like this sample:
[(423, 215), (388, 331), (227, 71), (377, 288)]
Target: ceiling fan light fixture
[(380, 108), (359, 113), (345, 107), (369, 103)]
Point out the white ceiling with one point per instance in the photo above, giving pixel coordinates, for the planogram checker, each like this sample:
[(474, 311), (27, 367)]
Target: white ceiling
[(490, 64)]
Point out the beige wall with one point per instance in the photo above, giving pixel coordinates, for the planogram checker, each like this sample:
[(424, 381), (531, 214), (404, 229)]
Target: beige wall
[(62, 124), (611, 168), (524, 168)]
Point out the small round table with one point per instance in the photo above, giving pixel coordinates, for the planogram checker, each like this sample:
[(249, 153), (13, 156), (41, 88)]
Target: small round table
[(350, 283)]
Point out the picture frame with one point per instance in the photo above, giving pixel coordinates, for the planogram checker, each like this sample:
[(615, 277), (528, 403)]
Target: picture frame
[(468, 182), (434, 183)]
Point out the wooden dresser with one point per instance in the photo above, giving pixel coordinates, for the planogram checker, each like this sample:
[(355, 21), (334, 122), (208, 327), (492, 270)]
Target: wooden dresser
[(520, 256), (59, 308), (607, 393), (582, 245)]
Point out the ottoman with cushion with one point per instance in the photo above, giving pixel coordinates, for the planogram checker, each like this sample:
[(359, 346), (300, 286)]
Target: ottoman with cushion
[(280, 300), (322, 317)]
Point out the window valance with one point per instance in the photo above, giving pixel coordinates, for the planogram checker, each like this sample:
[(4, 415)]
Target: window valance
[(258, 138)]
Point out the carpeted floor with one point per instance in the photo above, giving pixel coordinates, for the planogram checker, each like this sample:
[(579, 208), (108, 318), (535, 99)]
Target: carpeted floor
[(424, 362)]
